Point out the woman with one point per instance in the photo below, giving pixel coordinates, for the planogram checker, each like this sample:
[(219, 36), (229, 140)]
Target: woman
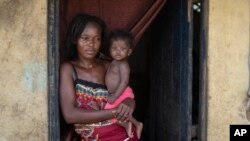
[(82, 90)]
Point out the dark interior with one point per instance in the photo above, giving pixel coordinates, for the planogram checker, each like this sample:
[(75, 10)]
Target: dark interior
[(163, 74)]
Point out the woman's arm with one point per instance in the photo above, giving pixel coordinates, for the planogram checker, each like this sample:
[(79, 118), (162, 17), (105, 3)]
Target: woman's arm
[(125, 109), (71, 113)]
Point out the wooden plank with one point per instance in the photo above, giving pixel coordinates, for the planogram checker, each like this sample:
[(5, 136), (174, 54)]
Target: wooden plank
[(53, 69), (171, 74), (203, 73)]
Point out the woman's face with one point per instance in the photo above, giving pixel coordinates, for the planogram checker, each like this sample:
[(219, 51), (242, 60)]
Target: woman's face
[(88, 44)]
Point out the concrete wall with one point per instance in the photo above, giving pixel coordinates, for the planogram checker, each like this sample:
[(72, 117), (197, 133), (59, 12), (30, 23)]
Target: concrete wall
[(23, 70), (228, 74)]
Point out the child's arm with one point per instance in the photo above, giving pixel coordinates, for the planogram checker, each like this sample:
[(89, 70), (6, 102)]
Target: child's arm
[(124, 71)]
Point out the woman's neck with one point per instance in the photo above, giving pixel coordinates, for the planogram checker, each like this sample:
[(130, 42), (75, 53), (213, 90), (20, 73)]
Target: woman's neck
[(86, 63)]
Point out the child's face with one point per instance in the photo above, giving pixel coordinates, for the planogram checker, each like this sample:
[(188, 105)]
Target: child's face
[(119, 50)]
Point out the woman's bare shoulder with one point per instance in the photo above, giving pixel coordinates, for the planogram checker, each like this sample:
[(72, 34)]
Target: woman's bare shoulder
[(67, 66)]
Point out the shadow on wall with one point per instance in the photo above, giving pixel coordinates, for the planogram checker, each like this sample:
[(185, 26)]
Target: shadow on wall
[(244, 110)]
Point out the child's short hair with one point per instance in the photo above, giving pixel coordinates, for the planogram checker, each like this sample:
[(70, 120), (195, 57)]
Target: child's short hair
[(120, 34)]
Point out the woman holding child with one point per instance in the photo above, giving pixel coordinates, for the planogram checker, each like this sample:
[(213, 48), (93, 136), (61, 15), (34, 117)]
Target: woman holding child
[(83, 93)]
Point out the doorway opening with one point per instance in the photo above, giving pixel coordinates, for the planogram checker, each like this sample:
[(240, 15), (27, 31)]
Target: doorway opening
[(163, 71)]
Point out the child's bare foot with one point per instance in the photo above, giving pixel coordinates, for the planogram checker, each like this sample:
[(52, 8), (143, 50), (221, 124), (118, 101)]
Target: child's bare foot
[(139, 127), (128, 128)]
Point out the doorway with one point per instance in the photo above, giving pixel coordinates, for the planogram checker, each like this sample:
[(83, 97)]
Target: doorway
[(161, 75)]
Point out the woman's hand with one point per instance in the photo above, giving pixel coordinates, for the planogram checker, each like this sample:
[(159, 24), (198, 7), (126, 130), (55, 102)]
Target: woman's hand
[(125, 110), (111, 99)]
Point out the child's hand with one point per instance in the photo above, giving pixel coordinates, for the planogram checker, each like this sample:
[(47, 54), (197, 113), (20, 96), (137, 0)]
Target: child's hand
[(111, 99)]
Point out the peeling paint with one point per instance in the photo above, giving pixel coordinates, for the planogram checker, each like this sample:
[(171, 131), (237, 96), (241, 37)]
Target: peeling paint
[(34, 77)]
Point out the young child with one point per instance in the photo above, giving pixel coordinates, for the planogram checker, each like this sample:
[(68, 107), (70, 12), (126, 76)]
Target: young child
[(117, 76)]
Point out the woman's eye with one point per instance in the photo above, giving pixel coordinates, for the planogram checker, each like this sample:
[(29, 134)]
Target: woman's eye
[(113, 49), (84, 38), (98, 39)]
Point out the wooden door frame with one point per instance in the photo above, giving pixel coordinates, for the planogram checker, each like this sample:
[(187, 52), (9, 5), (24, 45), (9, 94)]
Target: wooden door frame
[(203, 72), (202, 123), (53, 71)]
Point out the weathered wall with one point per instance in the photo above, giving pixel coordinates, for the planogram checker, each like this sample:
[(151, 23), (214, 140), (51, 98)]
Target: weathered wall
[(23, 70), (228, 74)]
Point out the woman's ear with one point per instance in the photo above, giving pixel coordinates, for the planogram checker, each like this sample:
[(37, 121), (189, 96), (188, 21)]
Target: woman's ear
[(129, 52)]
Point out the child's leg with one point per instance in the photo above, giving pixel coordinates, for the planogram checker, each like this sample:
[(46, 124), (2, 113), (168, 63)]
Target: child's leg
[(127, 126), (138, 126)]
